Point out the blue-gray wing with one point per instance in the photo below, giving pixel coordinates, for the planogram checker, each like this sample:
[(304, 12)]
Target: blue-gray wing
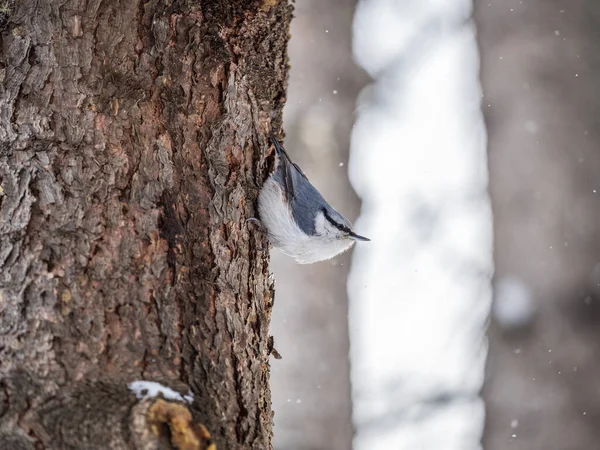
[(304, 199), (306, 203)]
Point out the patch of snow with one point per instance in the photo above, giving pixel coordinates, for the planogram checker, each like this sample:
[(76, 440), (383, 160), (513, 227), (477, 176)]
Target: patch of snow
[(150, 389)]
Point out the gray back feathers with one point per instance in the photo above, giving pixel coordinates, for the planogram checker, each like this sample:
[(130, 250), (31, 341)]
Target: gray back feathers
[(305, 201)]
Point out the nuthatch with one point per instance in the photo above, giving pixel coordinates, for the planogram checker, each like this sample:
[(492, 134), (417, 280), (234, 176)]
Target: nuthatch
[(297, 218)]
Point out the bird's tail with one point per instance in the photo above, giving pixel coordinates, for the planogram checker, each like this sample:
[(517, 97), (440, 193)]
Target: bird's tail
[(278, 148)]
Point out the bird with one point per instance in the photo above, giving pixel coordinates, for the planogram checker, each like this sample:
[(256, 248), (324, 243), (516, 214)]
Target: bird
[(297, 219)]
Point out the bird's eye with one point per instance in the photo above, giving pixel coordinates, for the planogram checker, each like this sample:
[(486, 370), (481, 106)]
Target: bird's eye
[(341, 227)]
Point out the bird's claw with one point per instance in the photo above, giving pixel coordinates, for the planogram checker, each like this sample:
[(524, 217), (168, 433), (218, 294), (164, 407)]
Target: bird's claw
[(255, 221)]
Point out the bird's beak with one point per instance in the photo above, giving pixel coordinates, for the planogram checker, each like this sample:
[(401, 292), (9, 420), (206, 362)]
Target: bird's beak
[(356, 237)]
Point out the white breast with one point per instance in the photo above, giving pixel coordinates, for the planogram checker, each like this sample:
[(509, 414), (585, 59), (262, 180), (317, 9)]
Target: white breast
[(284, 233)]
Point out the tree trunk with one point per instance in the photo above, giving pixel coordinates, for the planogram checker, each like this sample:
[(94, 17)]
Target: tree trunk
[(133, 147), (540, 71)]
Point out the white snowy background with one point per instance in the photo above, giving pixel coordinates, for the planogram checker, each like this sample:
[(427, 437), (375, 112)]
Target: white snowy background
[(420, 293)]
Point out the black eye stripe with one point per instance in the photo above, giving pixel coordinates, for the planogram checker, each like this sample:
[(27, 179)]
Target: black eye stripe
[(339, 226)]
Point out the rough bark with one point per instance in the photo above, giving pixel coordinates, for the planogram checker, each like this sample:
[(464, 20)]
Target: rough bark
[(132, 148)]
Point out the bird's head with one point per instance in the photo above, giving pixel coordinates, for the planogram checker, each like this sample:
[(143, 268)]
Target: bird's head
[(331, 225)]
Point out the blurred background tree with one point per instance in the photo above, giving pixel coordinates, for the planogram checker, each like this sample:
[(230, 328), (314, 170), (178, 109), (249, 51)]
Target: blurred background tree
[(540, 71), (311, 384)]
